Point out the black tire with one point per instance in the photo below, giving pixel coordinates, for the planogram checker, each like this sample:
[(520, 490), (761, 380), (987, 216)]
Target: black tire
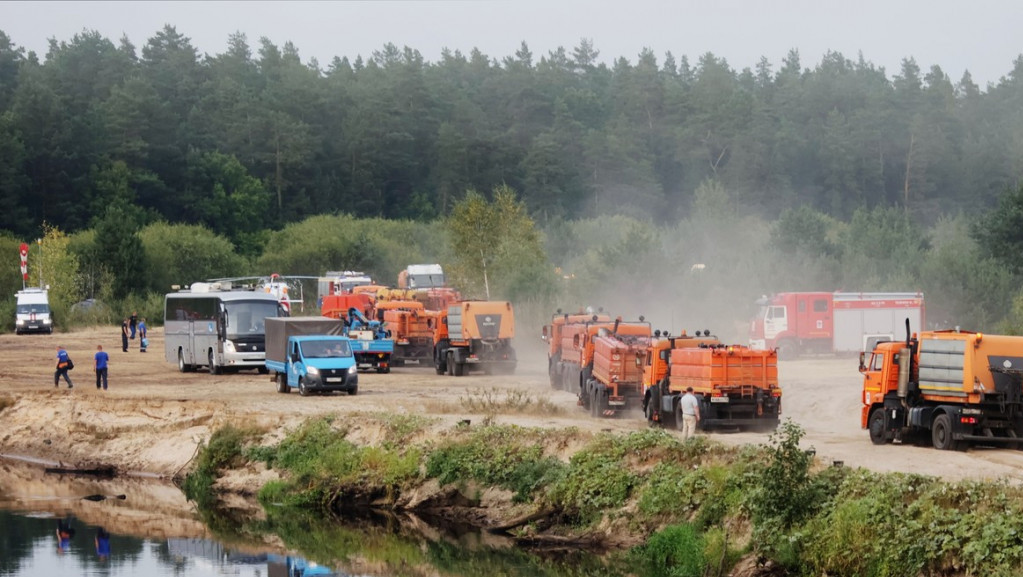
[(787, 350), (552, 371), (650, 406), (451, 364), (459, 369), (282, 384), (262, 370), (182, 367), (303, 389), (875, 425), (214, 369), (441, 367), (941, 433), (679, 423), (353, 391)]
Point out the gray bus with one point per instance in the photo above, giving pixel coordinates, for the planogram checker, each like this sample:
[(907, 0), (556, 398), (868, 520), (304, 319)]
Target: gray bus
[(222, 330)]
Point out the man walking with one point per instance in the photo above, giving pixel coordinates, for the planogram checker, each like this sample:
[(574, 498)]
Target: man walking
[(100, 364), (63, 366), (690, 407)]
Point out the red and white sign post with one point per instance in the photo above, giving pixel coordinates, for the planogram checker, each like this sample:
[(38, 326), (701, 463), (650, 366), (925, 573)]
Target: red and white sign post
[(24, 264)]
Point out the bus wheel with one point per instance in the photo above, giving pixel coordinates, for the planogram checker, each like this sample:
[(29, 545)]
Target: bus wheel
[(214, 369), (181, 362), (282, 384)]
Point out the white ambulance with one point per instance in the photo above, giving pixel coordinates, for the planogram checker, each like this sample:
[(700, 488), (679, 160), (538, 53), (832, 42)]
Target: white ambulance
[(33, 312)]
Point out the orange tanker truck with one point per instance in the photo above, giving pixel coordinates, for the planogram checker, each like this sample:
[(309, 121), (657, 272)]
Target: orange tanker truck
[(553, 334), (737, 387), (959, 387), (474, 334), (575, 367)]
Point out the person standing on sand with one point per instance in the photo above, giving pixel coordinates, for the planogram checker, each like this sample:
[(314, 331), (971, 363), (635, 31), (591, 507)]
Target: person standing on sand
[(124, 335), (63, 366), (100, 364), (133, 323), (690, 407), (143, 339)]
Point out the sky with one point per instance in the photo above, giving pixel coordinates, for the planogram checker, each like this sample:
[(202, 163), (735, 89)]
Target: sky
[(980, 36)]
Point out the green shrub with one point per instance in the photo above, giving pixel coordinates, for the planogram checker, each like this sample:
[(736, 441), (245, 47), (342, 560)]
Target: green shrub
[(675, 551), (223, 449)]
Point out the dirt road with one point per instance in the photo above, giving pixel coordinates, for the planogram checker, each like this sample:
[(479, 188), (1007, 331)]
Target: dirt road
[(152, 417)]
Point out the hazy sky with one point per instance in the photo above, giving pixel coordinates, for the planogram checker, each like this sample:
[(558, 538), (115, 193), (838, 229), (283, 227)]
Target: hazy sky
[(982, 36)]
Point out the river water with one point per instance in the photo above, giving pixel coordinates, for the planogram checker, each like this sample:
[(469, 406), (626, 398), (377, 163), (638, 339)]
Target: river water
[(154, 532)]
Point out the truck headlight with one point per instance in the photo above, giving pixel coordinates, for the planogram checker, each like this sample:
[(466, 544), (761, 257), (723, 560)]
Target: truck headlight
[(312, 370), (354, 369), (21, 322), (46, 321)]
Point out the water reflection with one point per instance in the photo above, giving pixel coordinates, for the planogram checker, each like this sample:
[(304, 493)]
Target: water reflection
[(154, 532)]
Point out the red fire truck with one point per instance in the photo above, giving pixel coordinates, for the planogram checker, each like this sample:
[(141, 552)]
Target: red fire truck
[(839, 322)]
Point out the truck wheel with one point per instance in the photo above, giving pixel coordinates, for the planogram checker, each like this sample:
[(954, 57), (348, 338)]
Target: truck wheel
[(598, 404), (552, 372), (441, 366), (302, 388), (787, 350), (679, 423), (941, 433), (459, 369), (650, 405), (353, 391), (875, 425), (451, 364), (282, 384), (214, 369)]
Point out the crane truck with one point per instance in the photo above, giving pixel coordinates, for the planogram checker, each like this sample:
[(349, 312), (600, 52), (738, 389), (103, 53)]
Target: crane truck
[(475, 334), (370, 342), (960, 387)]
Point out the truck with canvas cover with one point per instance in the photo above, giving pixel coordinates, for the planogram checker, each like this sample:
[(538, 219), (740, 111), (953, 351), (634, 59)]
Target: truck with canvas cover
[(32, 312), (616, 379), (553, 333), (411, 328), (475, 334), (840, 322), (736, 386), (959, 387), (310, 354)]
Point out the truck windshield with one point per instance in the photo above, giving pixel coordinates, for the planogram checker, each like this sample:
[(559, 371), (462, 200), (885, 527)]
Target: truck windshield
[(421, 281), (248, 318), (38, 308), (326, 349)]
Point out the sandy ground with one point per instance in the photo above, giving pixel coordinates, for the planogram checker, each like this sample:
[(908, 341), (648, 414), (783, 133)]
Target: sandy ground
[(153, 417)]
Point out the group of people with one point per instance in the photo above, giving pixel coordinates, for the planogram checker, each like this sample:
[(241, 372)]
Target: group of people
[(131, 327), (66, 532)]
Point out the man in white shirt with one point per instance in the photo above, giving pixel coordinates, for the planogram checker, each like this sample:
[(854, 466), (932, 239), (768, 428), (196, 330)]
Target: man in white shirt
[(690, 408)]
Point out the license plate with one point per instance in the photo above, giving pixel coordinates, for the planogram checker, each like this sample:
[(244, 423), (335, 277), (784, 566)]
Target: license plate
[(719, 399), (335, 379)]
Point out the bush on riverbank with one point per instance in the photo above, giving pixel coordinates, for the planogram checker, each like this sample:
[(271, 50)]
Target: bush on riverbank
[(697, 506)]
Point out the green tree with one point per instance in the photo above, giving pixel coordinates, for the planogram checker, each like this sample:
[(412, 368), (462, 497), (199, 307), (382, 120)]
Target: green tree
[(58, 268), (120, 250), (1000, 231), (495, 244), (180, 254)]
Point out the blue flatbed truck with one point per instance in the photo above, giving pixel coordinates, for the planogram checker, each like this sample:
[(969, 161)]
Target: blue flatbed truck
[(310, 354), (372, 347)]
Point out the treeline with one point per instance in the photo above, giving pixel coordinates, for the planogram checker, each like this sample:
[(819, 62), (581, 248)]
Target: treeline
[(677, 190), (255, 137)]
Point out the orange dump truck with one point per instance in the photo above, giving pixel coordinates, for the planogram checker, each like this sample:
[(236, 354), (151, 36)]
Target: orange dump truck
[(737, 386), (475, 334), (553, 335), (411, 327), (616, 380), (958, 387)]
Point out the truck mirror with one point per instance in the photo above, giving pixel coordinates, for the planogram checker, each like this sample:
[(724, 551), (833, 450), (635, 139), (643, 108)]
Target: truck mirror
[(863, 365), (663, 355), (543, 334)]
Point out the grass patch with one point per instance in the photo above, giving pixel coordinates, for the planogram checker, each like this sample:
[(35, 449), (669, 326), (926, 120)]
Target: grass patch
[(493, 401), (223, 450)]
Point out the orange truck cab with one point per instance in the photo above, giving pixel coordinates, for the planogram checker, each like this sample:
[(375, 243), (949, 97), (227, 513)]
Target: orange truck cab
[(475, 334), (958, 387), (553, 334), (336, 306)]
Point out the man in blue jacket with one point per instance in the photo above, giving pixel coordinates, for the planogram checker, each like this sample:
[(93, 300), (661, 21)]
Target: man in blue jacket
[(63, 366)]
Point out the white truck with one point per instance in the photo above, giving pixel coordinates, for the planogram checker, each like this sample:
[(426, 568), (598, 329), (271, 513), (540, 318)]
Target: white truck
[(33, 312)]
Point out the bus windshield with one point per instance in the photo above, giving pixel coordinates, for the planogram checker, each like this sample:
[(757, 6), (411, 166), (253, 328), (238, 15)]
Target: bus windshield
[(326, 349), (249, 318)]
